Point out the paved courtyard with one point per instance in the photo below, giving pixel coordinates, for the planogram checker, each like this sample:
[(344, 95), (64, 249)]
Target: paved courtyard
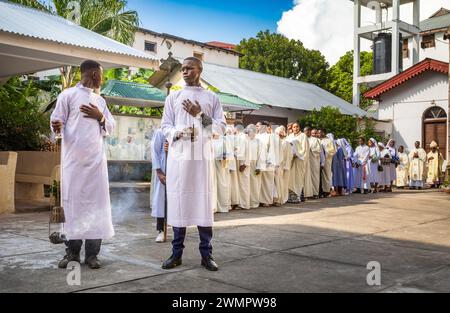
[(318, 246)]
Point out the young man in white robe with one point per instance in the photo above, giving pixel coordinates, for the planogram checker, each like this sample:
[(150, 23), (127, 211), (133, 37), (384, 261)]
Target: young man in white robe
[(300, 149), (308, 190), (232, 141), (282, 174), (361, 158), (402, 168), (271, 145), (83, 119), (243, 167), (329, 147), (191, 116), (222, 177), (255, 150), (314, 162), (417, 166)]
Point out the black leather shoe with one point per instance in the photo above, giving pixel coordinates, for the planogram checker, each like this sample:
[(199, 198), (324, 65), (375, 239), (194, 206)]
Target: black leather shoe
[(171, 262), (93, 262), (69, 257), (209, 264)]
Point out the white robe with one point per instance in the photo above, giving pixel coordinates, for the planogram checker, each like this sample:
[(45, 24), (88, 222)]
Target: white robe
[(417, 167), (282, 174), (300, 150), (222, 176), (190, 181), (255, 149), (402, 170), (85, 187), (271, 143), (327, 173), (361, 158), (233, 169), (242, 157), (314, 164)]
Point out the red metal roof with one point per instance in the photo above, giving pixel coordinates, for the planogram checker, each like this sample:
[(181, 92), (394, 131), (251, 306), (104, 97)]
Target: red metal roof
[(413, 71), (223, 45)]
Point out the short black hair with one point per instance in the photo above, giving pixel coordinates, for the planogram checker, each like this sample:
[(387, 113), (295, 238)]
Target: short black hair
[(89, 65), (266, 123), (196, 60)]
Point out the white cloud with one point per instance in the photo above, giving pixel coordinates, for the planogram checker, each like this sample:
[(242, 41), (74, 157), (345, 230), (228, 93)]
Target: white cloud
[(327, 25)]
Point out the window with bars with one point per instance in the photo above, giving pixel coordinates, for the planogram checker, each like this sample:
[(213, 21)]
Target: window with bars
[(150, 46)]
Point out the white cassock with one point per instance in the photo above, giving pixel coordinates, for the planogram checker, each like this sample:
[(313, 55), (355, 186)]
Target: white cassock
[(402, 170), (222, 176), (190, 180), (233, 169), (242, 156), (361, 158), (255, 149), (314, 165), (327, 174), (85, 187), (300, 150), (282, 173), (417, 167), (271, 144)]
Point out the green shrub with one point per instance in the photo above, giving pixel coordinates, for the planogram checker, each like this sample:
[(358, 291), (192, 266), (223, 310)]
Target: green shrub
[(22, 124)]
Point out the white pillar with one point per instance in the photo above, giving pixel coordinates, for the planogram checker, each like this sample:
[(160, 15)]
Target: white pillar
[(356, 53), (395, 36), (416, 38)]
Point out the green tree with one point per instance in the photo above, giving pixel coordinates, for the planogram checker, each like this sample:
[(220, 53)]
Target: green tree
[(340, 77), (275, 54), (107, 17), (22, 124), (341, 125)]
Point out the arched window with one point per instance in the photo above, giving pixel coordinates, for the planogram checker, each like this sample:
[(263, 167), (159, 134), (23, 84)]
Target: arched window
[(434, 113)]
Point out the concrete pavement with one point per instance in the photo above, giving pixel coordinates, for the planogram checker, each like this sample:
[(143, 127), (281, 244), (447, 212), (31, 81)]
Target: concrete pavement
[(319, 246)]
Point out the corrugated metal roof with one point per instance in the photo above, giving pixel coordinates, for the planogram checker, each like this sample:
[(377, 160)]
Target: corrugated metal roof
[(122, 89), (136, 91), (273, 90), (25, 21), (437, 22)]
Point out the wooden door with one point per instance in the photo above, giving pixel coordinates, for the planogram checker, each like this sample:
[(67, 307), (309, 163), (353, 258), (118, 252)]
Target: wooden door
[(435, 130)]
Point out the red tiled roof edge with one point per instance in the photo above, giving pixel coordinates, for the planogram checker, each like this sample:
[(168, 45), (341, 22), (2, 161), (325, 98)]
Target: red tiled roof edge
[(413, 71)]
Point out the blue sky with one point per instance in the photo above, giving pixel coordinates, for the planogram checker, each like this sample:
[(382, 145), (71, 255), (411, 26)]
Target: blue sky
[(202, 20)]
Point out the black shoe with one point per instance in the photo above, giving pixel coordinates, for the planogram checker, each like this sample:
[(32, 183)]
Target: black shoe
[(93, 262), (358, 190), (69, 257), (366, 191), (171, 262), (209, 264)]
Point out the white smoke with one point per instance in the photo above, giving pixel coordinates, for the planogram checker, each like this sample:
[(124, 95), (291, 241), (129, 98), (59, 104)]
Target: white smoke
[(327, 25)]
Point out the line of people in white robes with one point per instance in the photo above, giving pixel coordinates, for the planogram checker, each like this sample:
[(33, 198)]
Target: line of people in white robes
[(267, 165)]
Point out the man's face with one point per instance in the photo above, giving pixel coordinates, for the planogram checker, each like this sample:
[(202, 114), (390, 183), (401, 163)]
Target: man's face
[(391, 143), (296, 128), (361, 141), (191, 72), (417, 144), (401, 149), (434, 149), (307, 132), (314, 133), (321, 134)]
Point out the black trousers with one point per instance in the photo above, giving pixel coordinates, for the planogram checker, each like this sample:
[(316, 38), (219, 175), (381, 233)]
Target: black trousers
[(205, 246), (91, 246), (160, 223)]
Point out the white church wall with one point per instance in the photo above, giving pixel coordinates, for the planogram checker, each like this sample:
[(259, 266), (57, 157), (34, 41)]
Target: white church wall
[(405, 105)]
